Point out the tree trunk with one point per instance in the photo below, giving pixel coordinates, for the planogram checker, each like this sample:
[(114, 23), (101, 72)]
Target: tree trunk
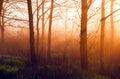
[(83, 36), (112, 36), (2, 27), (112, 25), (102, 37), (49, 32), (32, 48), (2, 30), (1, 4), (42, 49), (37, 25)]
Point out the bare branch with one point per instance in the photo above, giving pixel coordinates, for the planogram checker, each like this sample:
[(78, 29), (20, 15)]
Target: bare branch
[(109, 15)]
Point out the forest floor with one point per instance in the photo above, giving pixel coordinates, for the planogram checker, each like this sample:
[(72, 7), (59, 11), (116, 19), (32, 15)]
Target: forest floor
[(15, 68)]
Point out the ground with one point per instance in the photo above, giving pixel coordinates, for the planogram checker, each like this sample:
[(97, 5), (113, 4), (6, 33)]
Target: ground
[(16, 68)]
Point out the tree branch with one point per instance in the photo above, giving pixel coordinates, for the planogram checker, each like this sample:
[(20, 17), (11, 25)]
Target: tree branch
[(109, 15)]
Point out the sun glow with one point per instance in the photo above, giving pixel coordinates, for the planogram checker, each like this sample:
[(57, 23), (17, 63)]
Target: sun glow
[(71, 15)]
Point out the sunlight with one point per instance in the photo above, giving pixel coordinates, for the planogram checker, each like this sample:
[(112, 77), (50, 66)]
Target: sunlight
[(54, 37), (97, 3)]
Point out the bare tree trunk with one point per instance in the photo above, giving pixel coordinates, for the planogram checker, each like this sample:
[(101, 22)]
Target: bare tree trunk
[(37, 25), (49, 32), (2, 27), (112, 36), (102, 37), (83, 36), (1, 5), (42, 49), (32, 48), (112, 25)]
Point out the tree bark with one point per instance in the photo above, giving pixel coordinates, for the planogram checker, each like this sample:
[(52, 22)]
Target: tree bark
[(32, 48), (83, 36)]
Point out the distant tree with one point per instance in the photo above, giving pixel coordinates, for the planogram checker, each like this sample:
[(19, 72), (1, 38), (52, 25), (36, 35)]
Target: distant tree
[(102, 37), (112, 23), (32, 48), (37, 25), (49, 31), (43, 25), (83, 33)]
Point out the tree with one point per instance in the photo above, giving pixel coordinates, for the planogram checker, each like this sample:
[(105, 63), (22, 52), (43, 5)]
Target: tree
[(112, 24), (1, 5), (3, 22), (102, 37), (43, 26), (37, 25), (83, 33), (49, 32), (2, 25), (32, 48)]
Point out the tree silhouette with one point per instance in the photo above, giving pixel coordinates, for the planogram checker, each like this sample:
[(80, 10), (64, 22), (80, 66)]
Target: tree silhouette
[(3, 22), (32, 48), (83, 33), (49, 31), (102, 37), (37, 25), (43, 26), (1, 5), (112, 24)]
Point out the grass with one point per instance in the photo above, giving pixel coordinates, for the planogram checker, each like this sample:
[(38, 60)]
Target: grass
[(9, 66), (14, 68)]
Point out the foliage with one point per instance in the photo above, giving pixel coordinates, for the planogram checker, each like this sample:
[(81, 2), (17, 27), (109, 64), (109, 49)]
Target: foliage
[(9, 66)]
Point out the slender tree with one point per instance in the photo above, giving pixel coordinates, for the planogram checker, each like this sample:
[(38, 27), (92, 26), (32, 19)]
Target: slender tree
[(112, 23), (102, 37), (32, 48), (43, 26), (1, 5), (37, 25), (49, 32), (3, 23)]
